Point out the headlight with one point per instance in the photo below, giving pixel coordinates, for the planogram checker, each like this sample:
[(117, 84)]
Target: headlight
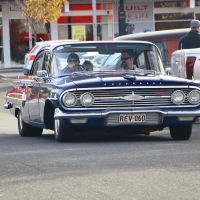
[(194, 97), (69, 99), (87, 99), (178, 97)]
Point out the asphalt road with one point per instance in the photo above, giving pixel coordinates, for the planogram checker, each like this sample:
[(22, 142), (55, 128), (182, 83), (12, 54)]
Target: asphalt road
[(96, 167)]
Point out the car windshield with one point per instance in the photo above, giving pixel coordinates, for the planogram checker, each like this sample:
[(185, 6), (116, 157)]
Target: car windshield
[(107, 57)]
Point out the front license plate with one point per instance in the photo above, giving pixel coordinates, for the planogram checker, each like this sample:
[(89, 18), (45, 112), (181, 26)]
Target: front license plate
[(132, 118)]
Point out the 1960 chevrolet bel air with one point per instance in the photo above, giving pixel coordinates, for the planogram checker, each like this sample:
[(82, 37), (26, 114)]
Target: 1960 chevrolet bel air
[(62, 95)]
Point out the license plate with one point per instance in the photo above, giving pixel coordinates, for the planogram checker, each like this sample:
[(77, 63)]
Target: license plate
[(132, 118)]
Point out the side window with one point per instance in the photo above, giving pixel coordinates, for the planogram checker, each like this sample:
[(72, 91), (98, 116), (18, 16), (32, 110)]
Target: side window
[(153, 61), (46, 63), (162, 49), (141, 62), (38, 64)]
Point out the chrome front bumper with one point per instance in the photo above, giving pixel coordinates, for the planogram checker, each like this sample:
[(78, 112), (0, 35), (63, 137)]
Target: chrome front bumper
[(154, 117)]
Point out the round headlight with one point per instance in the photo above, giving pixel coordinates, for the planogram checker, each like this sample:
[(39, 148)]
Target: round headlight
[(69, 100), (178, 97), (87, 99), (194, 97)]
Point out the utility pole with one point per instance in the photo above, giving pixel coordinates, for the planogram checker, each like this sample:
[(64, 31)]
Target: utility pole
[(94, 19), (122, 19)]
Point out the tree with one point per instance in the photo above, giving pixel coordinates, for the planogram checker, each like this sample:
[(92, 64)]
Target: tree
[(40, 12)]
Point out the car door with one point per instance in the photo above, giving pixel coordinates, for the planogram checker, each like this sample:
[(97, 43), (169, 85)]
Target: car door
[(45, 83), (34, 111)]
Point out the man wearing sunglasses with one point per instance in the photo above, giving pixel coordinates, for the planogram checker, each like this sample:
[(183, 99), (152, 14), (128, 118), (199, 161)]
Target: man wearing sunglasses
[(127, 58), (73, 64)]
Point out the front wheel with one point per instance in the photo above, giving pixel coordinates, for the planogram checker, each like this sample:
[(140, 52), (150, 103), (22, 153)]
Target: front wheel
[(26, 130), (61, 132), (180, 132)]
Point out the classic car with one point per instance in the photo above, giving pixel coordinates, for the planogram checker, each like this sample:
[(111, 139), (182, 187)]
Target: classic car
[(123, 101), (185, 63)]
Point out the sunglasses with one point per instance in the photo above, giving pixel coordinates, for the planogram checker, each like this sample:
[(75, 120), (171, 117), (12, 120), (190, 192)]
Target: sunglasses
[(125, 58), (72, 60)]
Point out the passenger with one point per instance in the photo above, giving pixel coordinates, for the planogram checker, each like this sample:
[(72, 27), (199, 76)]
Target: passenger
[(127, 58), (88, 66), (73, 64)]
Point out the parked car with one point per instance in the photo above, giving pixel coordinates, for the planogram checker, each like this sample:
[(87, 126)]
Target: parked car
[(166, 40), (185, 63), (134, 101), (30, 56)]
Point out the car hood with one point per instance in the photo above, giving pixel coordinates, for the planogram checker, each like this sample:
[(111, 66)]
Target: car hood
[(123, 79)]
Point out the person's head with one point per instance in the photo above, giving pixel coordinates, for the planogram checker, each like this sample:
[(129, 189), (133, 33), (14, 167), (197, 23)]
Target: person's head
[(130, 27), (88, 65), (73, 58), (195, 25), (127, 58)]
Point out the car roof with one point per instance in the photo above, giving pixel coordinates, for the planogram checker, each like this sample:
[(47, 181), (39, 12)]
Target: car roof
[(155, 35), (54, 45)]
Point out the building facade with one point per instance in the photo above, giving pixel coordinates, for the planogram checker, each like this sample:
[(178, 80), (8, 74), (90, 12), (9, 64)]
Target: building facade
[(76, 22)]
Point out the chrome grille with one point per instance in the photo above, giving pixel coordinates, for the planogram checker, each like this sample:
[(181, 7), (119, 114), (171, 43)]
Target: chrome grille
[(111, 98), (152, 119)]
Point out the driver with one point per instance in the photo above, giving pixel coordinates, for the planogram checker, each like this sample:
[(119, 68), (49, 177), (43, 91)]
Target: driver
[(128, 58), (73, 64)]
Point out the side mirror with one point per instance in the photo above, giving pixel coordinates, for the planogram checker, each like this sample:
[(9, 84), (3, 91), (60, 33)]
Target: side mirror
[(42, 73), (26, 71)]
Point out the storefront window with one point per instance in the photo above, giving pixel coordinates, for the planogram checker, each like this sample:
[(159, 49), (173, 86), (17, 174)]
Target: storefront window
[(167, 4), (81, 27), (197, 2), (174, 16), (19, 40), (197, 16), (171, 25), (19, 43)]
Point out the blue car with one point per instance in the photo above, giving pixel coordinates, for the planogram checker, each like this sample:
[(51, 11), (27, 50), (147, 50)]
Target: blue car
[(61, 94)]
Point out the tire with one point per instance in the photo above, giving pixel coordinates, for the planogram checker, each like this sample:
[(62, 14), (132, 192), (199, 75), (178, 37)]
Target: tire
[(26, 130), (61, 132), (181, 132)]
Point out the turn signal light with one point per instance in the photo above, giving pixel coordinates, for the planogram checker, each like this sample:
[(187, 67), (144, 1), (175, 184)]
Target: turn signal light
[(31, 57)]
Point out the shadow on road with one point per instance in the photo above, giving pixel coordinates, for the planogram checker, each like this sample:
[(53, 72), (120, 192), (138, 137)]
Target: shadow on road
[(90, 138)]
